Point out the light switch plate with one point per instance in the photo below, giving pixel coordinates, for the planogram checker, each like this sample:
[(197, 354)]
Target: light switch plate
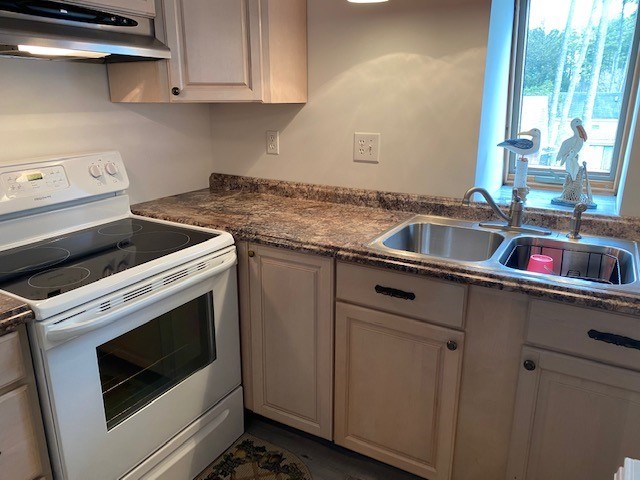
[(273, 142), (366, 147)]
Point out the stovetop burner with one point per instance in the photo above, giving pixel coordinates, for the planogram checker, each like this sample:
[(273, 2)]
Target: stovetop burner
[(59, 277), (31, 259), (58, 265), (154, 242)]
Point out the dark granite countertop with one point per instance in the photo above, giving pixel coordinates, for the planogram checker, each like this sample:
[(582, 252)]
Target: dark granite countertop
[(339, 223), (12, 314)]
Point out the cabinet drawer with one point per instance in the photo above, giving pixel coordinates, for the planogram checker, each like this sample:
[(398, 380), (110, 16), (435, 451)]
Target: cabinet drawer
[(11, 365), (589, 333), (409, 295), (20, 459)]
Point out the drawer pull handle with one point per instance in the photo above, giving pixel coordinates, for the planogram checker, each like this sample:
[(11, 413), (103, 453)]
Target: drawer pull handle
[(451, 345), (529, 365), (395, 293), (614, 339)]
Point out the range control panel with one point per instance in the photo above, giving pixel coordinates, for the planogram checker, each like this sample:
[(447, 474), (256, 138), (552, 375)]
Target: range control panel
[(35, 184), (32, 182)]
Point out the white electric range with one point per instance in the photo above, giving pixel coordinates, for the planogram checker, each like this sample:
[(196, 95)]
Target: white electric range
[(136, 338)]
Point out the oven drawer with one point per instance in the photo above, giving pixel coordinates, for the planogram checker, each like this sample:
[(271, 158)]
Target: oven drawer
[(194, 448), (10, 359), (588, 333), (401, 293)]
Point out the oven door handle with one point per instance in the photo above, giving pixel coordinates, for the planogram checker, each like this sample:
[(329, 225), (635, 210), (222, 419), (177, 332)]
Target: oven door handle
[(66, 330)]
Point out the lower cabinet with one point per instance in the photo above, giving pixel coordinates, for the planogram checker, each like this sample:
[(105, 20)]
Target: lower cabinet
[(383, 378), (291, 337), (23, 454), (397, 382), (575, 419)]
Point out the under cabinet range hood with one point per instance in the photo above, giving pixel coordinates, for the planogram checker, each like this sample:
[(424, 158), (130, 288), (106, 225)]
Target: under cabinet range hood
[(62, 31)]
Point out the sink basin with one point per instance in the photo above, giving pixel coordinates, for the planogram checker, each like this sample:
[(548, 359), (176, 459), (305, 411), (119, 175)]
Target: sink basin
[(444, 240), (604, 261)]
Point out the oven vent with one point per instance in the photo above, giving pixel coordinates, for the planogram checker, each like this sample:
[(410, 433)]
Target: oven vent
[(117, 300), (138, 292), (176, 276)]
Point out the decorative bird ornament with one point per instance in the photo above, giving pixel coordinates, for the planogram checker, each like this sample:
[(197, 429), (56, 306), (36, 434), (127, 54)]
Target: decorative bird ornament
[(570, 148), (524, 146)]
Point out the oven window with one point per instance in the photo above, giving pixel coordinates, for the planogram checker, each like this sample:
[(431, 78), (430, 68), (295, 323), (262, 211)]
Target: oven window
[(142, 364)]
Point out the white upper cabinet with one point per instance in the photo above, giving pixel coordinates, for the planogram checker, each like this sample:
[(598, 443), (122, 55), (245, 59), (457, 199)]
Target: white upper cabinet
[(145, 8), (222, 51), (215, 50)]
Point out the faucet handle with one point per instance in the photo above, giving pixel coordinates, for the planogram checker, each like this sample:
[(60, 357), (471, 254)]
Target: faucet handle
[(580, 208), (516, 198), (576, 221)]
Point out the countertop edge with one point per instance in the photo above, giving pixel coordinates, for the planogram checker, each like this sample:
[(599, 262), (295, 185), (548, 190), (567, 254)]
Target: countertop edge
[(11, 323), (615, 302)]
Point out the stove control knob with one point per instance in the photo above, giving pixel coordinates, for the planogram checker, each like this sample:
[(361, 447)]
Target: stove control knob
[(95, 171), (111, 168)]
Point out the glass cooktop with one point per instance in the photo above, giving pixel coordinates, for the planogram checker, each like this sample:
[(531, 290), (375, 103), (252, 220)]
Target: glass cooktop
[(58, 265)]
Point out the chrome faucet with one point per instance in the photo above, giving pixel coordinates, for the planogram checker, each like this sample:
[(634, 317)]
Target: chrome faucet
[(576, 221), (516, 213)]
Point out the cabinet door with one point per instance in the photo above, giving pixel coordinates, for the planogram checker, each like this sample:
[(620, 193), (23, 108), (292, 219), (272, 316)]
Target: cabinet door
[(19, 453), (292, 338), (215, 48), (574, 420), (142, 7), (397, 385)]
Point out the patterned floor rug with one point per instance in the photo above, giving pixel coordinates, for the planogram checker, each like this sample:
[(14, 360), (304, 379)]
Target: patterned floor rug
[(253, 459)]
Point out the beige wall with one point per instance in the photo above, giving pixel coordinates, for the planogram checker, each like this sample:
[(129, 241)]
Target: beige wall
[(629, 196), (61, 108), (412, 70)]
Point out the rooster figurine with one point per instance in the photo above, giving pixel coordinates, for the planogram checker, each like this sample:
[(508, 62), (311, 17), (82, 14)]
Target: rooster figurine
[(570, 148)]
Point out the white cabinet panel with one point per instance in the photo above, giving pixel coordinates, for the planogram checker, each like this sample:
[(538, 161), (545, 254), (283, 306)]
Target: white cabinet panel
[(397, 384), (575, 419), (292, 338), (222, 51), (215, 47)]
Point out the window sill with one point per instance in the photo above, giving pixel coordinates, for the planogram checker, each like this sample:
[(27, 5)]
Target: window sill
[(607, 204)]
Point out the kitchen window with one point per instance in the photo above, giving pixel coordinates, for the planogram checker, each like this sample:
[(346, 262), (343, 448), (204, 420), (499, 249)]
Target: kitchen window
[(574, 58)]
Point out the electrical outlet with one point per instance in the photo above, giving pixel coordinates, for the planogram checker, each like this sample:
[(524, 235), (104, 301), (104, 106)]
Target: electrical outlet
[(273, 142), (366, 147)]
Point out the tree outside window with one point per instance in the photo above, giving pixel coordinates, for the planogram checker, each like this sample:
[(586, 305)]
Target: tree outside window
[(574, 61)]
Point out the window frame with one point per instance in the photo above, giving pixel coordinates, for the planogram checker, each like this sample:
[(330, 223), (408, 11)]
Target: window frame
[(540, 178)]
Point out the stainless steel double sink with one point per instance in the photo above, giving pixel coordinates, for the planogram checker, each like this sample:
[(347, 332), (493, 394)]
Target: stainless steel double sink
[(598, 262)]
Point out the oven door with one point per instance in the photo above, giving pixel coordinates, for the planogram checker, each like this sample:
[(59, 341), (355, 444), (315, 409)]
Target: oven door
[(127, 373)]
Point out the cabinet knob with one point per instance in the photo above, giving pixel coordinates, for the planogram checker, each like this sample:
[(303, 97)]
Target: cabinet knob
[(251, 253), (451, 345), (175, 91), (529, 365)]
